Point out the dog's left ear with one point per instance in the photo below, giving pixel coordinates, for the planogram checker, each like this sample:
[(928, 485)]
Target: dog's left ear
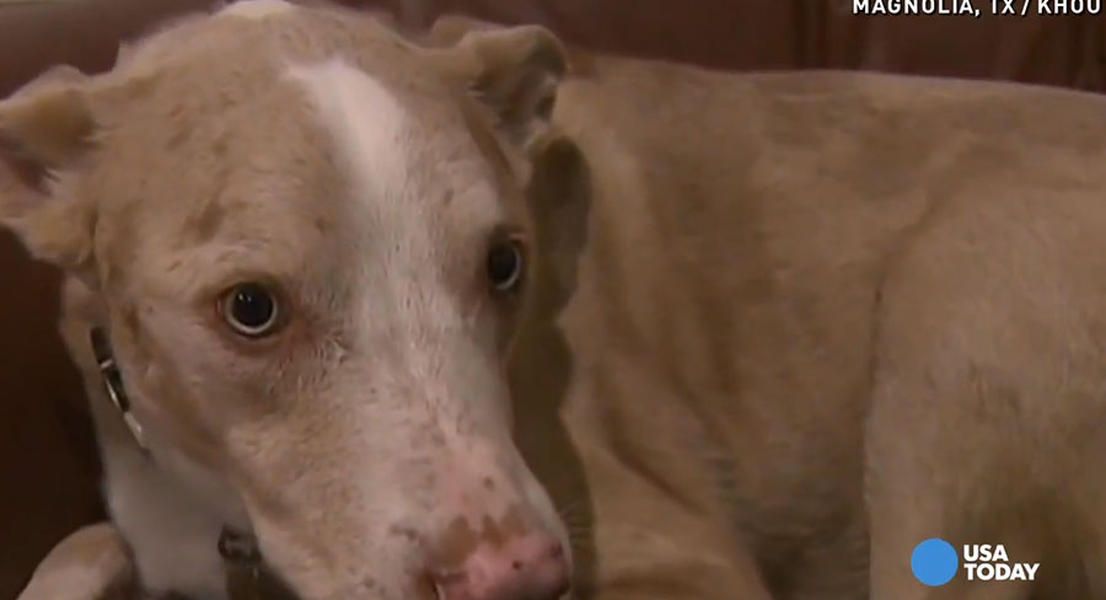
[(45, 129), (513, 70)]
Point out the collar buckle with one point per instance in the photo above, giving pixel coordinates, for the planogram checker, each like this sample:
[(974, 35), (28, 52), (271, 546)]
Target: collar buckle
[(242, 561), (239, 548)]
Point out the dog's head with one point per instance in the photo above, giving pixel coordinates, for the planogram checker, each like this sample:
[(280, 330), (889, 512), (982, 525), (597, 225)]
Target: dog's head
[(312, 246)]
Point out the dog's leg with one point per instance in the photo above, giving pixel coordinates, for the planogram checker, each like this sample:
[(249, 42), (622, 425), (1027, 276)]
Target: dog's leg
[(918, 491), (650, 547), (91, 564), (946, 434), (688, 581)]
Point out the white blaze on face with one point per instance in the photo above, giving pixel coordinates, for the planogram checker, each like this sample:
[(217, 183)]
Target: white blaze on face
[(404, 306), (375, 143), (367, 121), (257, 9), (433, 446)]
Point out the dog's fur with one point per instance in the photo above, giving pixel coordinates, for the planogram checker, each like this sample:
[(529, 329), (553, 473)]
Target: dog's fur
[(788, 322), (91, 564)]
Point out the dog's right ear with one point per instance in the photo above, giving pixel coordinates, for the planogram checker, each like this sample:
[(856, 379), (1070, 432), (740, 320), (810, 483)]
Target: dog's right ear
[(514, 71), (449, 29), (46, 128)]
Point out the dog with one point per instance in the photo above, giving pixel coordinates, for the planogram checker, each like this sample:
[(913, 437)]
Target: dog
[(484, 316)]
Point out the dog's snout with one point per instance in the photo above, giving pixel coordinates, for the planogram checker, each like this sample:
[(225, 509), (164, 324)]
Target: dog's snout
[(526, 567), (491, 532)]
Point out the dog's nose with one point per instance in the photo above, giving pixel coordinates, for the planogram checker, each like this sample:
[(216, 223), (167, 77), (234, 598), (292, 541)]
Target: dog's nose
[(528, 567)]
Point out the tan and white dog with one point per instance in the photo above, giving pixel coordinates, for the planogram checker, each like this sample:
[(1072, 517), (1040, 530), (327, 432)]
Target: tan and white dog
[(756, 335)]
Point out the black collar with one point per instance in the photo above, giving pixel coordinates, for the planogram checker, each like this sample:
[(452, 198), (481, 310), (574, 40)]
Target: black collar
[(113, 383)]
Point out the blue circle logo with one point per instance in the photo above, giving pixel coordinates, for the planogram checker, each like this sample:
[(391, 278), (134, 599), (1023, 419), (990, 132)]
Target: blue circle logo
[(934, 562)]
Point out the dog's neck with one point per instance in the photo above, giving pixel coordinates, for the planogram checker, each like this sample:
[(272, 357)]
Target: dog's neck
[(165, 506)]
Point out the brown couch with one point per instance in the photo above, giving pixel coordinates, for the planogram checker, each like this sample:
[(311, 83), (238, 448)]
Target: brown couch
[(48, 480)]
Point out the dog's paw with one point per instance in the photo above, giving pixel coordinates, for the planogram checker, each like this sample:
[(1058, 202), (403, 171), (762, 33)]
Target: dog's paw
[(91, 564)]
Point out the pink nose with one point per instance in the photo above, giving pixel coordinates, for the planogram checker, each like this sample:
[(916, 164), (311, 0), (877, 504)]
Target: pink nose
[(530, 567)]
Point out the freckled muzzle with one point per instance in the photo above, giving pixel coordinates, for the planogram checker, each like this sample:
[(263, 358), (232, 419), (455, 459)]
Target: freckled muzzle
[(496, 562), (496, 545), (490, 533), (530, 566)]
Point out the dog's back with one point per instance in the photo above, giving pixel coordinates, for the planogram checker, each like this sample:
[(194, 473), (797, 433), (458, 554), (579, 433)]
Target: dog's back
[(792, 282)]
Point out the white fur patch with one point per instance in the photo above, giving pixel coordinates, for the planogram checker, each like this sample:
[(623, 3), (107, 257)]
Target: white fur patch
[(257, 9), (173, 538), (376, 139), (366, 119)]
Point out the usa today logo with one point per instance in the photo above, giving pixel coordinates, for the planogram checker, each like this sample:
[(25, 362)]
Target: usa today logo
[(936, 563)]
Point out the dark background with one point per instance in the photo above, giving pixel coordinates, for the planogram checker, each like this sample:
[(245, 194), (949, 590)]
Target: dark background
[(48, 465)]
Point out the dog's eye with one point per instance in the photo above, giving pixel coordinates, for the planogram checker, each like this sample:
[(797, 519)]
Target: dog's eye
[(505, 265), (250, 309)]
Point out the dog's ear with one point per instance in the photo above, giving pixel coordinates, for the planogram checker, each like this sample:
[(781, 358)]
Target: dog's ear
[(513, 70), (448, 30), (45, 130)]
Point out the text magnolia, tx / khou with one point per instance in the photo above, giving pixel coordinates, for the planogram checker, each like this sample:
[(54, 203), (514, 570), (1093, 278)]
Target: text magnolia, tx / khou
[(976, 8)]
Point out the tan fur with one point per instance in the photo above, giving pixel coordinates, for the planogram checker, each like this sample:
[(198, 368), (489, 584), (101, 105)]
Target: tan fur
[(795, 251), (91, 564), (776, 324)]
